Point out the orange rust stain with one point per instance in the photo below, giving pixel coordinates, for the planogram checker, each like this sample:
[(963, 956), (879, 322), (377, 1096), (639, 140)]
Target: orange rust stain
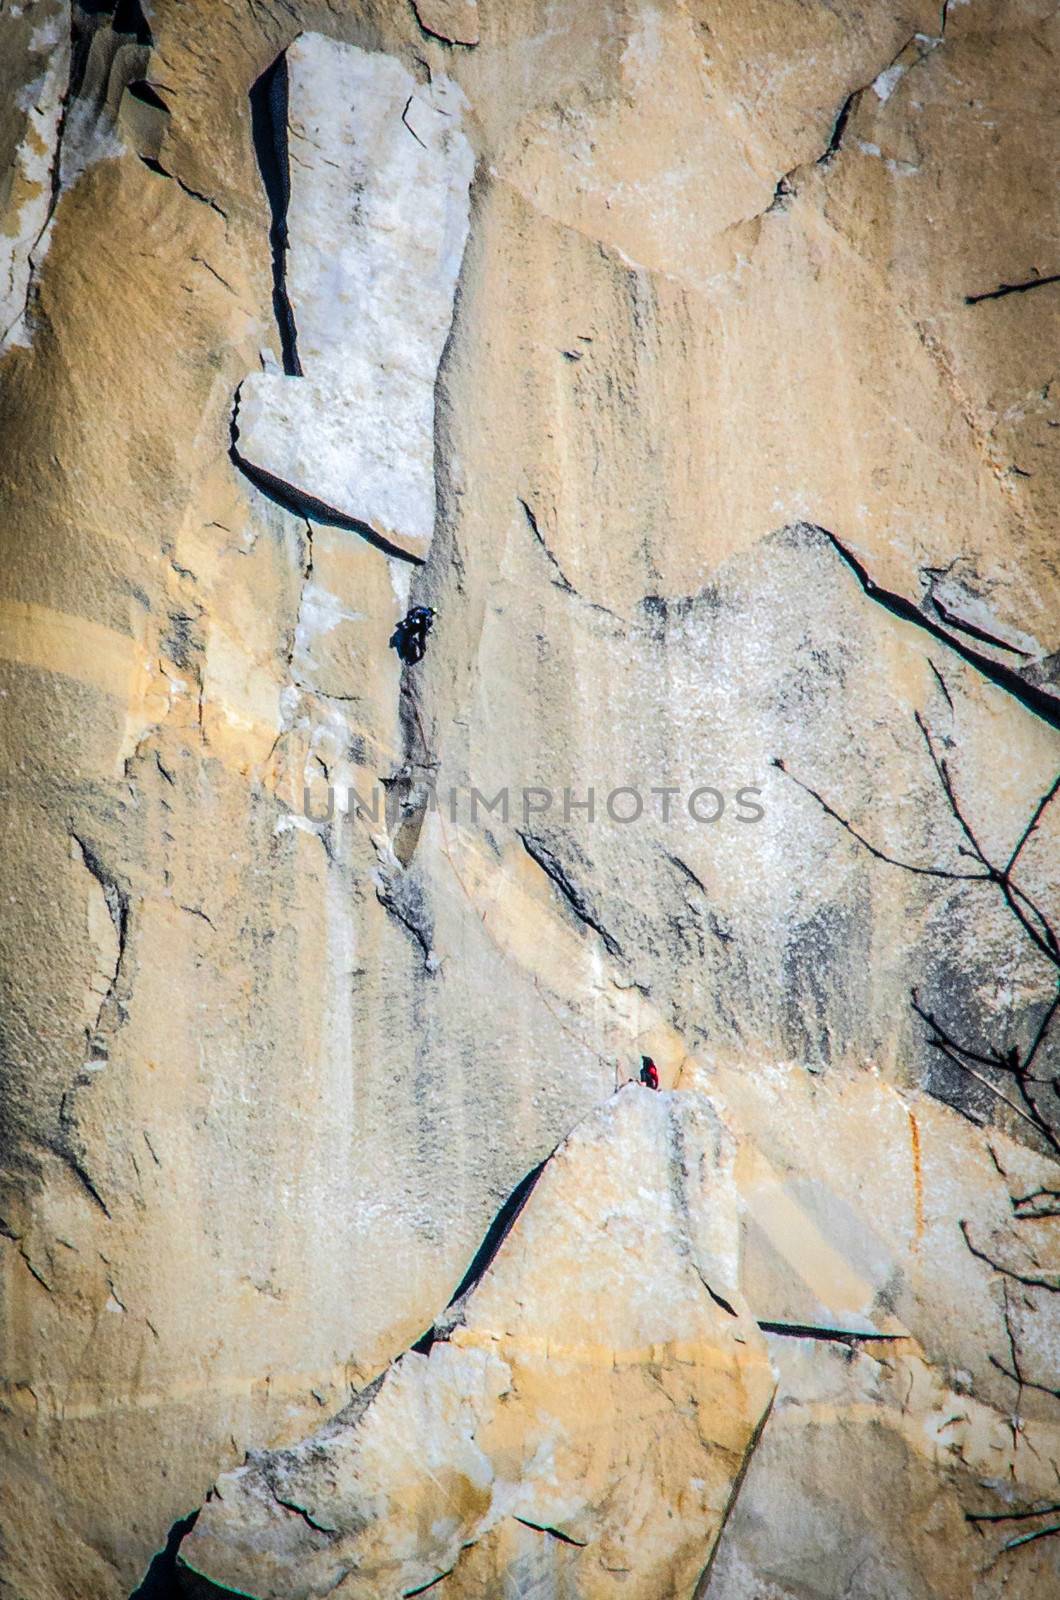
[(918, 1177)]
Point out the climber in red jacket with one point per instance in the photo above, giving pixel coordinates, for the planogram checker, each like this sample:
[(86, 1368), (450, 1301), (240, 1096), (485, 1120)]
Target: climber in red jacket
[(649, 1073)]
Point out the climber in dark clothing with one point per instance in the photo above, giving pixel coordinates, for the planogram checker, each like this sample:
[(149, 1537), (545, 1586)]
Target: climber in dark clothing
[(410, 635), (649, 1073)]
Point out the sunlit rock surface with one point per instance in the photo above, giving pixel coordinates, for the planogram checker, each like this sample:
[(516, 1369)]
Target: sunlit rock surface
[(453, 20), (608, 1302), (694, 364)]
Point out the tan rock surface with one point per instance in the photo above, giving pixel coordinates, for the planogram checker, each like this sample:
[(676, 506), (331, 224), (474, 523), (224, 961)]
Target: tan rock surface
[(455, 21), (755, 315), (607, 1300)]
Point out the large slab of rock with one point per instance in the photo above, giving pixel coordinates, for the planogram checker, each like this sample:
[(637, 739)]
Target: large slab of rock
[(612, 1300), (377, 218)]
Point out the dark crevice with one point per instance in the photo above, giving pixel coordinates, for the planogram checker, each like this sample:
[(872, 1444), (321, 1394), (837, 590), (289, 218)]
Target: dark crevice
[(497, 1232), (307, 506), (951, 620), (686, 870), (847, 1336), (300, 1511), (408, 1594), (16, 1240), (403, 898), (268, 120), (703, 1585), (117, 903), (940, 680), (116, 897), (129, 18), (147, 94), (783, 190), (442, 38), (1011, 288), (484, 1256), (785, 186), (1029, 1538), (553, 1533), (839, 127), (1010, 1516), (160, 1580), (1039, 1203), (551, 867), (1029, 1279), (154, 165), (408, 124), (67, 1156), (1028, 694), (560, 580), (719, 1300), (197, 194)]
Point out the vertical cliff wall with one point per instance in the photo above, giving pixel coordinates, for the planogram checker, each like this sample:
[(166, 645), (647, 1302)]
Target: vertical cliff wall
[(696, 363)]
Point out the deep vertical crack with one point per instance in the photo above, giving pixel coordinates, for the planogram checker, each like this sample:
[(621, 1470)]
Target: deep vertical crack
[(268, 118)]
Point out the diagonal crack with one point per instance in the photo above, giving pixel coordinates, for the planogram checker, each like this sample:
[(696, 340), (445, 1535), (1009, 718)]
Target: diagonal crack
[(574, 896), (403, 897), (300, 1511), (848, 1336), (1043, 704), (553, 1533), (785, 185), (117, 902), (1004, 289), (1031, 1280), (409, 1594), (483, 1259), (952, 620), (560, 580), (734, 1494), (154, 165), (839, 126), (307, 506)]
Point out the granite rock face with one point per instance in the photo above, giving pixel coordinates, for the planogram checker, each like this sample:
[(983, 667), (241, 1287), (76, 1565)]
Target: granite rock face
[(694, 362), (615, 1309), (455, 21)]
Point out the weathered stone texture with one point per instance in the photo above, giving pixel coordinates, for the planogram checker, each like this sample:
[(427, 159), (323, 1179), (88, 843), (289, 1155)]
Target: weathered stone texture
[(612, 1306), (696, 364)]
